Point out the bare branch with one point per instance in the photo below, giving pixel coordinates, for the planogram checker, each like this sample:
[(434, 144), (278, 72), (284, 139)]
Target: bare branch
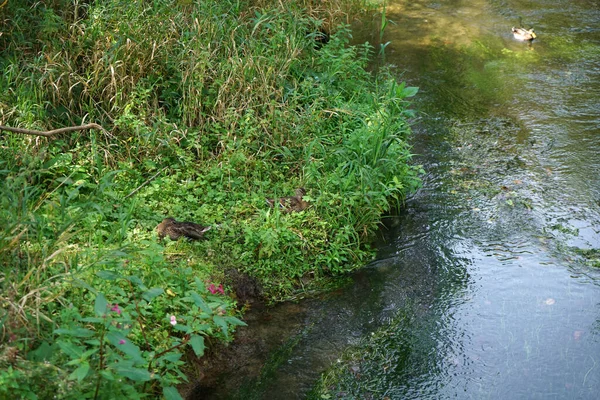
[(52, 132)]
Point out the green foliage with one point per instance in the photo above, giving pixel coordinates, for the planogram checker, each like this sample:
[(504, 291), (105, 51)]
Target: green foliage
[(115, 344), (209, 109)]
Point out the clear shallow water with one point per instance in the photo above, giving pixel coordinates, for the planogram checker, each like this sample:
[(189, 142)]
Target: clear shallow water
[(484, 260)]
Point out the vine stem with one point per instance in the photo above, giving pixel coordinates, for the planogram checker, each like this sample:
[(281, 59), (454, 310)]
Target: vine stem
[(101, 361), (139, 318)]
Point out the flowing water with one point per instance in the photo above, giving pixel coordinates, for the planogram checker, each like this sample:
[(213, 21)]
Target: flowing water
[(487, 285)]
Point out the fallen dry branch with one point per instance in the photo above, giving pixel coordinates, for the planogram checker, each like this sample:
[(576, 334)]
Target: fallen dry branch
[(52, 132)]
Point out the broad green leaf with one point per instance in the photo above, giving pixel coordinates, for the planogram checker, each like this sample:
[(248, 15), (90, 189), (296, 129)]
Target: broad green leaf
[(135, 374), (42, 353), (197, 327), (92, 342), (152, 293), (94, 320), (235, 321), (200, 285), (409, 91), (83, 332), (182, 328), (108, 275), (81, 372), (197, 343), (137, 281), (171, 393), (220, 321), (409, 113), (100, 305), (200, 302), (77, 332), (120, 342), (89, 352), (171, 357), (70, 349), (83, 284), (107, 374)]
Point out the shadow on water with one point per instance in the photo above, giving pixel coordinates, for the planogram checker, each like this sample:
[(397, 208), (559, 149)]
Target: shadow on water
[(485, 285)]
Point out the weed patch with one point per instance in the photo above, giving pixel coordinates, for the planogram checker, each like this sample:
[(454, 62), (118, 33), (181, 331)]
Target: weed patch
[(209, 108)]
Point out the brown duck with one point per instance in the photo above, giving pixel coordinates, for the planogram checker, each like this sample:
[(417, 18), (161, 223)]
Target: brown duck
[(174, 229), (292, 203)]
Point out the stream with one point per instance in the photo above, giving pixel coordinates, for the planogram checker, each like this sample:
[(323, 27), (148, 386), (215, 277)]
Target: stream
[(487, 284)]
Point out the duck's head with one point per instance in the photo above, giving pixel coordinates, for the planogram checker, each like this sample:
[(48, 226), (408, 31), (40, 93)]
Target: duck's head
[(529, 33)]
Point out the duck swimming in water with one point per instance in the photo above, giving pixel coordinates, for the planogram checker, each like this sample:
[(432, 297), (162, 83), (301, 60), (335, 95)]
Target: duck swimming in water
[(523, 34), (175, 229)]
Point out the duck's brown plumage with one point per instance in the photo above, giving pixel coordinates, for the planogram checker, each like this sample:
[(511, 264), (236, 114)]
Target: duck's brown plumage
[(291, 204), (175, 229)]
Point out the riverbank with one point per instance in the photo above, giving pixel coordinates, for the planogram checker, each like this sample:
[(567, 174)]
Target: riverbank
[(206, 111)]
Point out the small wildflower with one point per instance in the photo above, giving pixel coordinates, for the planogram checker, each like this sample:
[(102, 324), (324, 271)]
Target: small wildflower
[(214, 289), (122, 341), (173, 320), (116, 309)]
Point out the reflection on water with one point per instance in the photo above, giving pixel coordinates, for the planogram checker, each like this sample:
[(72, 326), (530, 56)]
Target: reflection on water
[(480, 290), (511, 141)]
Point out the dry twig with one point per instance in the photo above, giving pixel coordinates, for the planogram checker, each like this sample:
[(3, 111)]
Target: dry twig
[(52, 132)]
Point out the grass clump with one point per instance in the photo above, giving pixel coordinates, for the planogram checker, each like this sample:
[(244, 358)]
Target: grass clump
[(209, 108)]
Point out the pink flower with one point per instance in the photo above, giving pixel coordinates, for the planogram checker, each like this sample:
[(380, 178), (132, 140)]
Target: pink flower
[(213, 289), (122, 341), (173, 320), (116, 309)]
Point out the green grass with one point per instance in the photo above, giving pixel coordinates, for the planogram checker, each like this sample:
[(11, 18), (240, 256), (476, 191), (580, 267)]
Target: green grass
[(209, 108)]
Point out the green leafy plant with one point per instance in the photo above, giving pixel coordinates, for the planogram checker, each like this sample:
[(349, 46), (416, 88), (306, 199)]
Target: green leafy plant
[(208, 109)]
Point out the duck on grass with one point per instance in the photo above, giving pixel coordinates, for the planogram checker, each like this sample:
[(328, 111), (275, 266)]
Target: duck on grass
[(292, 203), (175, 229)]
